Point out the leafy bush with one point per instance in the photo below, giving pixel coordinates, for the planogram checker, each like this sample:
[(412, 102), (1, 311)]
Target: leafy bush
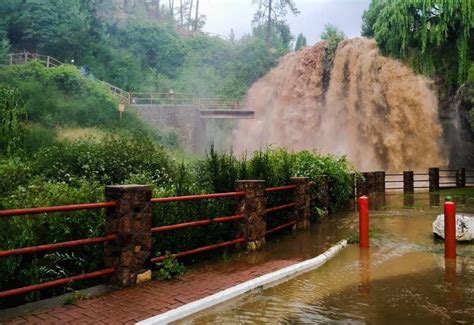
[(110, 161), (170, 268), (13, 173), (24, 231)]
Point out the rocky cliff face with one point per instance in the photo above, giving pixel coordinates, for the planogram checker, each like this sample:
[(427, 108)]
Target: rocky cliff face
[(457, 129)]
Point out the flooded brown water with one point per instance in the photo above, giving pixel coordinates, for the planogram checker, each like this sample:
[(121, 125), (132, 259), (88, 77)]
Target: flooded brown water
[(402, 278)]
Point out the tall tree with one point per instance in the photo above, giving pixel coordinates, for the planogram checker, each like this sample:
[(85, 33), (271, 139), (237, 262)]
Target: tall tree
[(300, 42), (270, 12), (190, 19), (171, 8), (4, 46), (196, 17), (370, 16)]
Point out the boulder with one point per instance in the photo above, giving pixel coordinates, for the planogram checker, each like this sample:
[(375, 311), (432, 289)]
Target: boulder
[(464, 226)]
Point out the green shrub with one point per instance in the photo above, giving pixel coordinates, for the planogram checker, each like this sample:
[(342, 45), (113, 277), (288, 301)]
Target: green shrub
[(13, 173), (24, 231), (170, 268), (111, 161), (37, 137)]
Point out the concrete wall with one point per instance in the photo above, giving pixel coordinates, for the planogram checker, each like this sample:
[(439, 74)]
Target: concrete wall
[(184, 120)]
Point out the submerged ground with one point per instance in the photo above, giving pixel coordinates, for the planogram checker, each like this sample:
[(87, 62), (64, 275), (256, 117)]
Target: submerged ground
[(403, 278)]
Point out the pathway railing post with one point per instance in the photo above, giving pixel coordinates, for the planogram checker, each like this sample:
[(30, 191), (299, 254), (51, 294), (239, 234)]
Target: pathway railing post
[(252, 206), (361, 185), (131, 221), (303, 201), (363, 204), (408, 182), (461, 177), (371, 182), (380, 181), (434, 179), (450, 230)]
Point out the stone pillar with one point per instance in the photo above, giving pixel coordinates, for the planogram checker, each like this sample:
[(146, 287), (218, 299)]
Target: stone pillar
[(434, 179), (380, 182), (131, 221), (253, 206), (408, 182), (461, 177), (302, 200)]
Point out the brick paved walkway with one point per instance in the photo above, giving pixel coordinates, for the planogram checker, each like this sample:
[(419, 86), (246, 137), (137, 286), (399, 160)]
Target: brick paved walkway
[(133, 304)]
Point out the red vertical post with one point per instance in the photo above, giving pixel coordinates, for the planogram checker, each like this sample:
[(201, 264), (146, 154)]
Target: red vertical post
[(450, 230), (363, 222)]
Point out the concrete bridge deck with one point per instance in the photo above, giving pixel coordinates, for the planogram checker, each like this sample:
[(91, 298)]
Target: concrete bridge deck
[(208, 112)]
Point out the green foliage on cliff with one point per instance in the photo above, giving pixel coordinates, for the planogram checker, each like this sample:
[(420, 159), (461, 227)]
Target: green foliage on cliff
[(435, 36), (333, 35)]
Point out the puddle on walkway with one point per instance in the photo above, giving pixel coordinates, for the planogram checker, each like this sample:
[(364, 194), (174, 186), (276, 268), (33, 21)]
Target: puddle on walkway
[(402, 278)]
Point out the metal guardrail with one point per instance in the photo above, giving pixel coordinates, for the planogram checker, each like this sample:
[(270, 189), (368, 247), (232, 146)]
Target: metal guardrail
[(113, 236)]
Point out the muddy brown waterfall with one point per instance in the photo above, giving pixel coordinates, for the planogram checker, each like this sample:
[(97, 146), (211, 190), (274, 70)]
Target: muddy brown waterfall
[(375, 110)]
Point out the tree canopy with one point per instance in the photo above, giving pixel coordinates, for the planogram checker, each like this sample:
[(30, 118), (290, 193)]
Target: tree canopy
[(271, 14), (300, 42), (434, 35), (144, 46), (333, 35)]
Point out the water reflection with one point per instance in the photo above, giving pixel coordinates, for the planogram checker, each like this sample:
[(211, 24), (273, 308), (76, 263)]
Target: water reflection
[(402, 278), (364, 270), (434, 199), (408, 201)]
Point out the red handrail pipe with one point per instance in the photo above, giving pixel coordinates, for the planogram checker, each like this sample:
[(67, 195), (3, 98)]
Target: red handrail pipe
[(56, 283), (62, 208), (450, 230), (197, 197), (363, 222)]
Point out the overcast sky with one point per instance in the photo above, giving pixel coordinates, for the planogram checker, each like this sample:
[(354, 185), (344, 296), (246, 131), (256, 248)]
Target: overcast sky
[(223, 15)]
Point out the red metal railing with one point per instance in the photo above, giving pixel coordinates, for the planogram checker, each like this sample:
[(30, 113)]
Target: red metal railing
[(55, 246), (197, 223), (48, 247), (216, 220), (280, 208), (199, 250), (61, 208), (280, 188), (56, 283), (111, 237), (197, 197), (281, 227)]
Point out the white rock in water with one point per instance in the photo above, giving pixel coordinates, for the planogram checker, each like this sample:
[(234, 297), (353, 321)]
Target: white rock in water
[(464, 226)]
